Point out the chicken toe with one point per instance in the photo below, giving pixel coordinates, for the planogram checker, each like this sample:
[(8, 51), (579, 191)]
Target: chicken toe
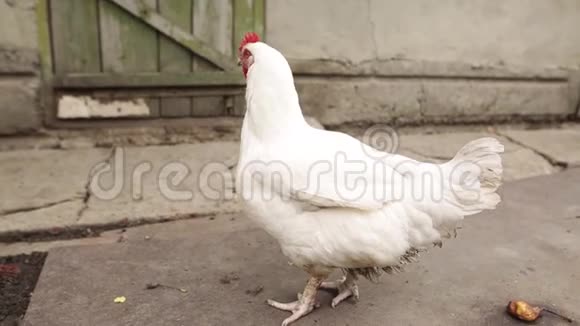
[(303, 306), (346, 288)]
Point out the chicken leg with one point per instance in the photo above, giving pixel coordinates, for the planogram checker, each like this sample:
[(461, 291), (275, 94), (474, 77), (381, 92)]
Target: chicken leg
[(346, 287), (304, 305)]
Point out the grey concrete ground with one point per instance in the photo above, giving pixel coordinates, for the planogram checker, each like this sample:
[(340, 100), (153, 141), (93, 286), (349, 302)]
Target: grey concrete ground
[(526, 249), (50, 190)]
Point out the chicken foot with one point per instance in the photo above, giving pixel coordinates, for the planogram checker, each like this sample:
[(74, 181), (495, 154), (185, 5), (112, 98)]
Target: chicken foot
[(304, 305), (346, 287)]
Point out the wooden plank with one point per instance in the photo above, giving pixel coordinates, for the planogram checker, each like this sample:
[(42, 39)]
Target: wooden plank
[(155, 20), (212, 23), (243, 21), (46, 62), (260, 18), (137, 80), (174, 57), (128, 45), (113, 93), (75, 36), (45, 50)]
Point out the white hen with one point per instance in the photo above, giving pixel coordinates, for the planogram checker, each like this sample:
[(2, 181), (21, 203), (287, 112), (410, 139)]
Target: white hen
[(334, 202)]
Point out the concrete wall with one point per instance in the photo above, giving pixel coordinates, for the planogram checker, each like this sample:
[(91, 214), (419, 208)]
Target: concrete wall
[(18, 23), (384, 60), (520, 32), (19, 68)]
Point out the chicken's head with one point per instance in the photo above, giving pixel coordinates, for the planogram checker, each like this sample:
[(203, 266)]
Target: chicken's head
[(245, 57)]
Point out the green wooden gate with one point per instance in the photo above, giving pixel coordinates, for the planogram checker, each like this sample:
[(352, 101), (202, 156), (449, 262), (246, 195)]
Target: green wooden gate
[(179, 55)]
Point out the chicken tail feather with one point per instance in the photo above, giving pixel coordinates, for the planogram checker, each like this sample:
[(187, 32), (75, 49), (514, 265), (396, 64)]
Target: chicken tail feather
[(475, 174)]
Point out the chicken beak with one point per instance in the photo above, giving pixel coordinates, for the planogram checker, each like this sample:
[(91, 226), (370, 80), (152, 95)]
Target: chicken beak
[(239, 62)]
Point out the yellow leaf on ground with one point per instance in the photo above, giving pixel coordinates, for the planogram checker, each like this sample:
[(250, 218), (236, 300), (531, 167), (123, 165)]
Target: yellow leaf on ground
[(120, 299)]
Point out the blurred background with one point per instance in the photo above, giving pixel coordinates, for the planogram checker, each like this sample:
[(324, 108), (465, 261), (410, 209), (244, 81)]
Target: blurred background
[(85, 64)]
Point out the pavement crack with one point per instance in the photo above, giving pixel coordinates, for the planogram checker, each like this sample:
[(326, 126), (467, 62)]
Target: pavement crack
[(421, 98), (436, 157), (87, 193), (373, 29), (549, 159), (86, 198), (34, 208), (487, 107)]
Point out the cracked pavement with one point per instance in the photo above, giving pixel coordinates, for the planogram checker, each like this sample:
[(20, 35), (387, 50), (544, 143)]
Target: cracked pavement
[(51, 190), (525, 249), (48, 191)]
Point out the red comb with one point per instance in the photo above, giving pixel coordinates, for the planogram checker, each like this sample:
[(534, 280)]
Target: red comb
[(250, 37)]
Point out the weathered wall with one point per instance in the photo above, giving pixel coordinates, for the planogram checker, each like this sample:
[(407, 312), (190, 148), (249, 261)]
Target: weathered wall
[(380, 60), (519, 32), (18, 23), (19, 80)]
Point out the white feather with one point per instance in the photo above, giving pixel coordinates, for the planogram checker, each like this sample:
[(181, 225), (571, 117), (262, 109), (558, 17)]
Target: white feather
[(333, 201)]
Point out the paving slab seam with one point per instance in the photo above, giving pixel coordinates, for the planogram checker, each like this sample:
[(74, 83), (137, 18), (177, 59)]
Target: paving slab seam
[(34, 208), (80, 231), (548, 158), (436, 157)]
